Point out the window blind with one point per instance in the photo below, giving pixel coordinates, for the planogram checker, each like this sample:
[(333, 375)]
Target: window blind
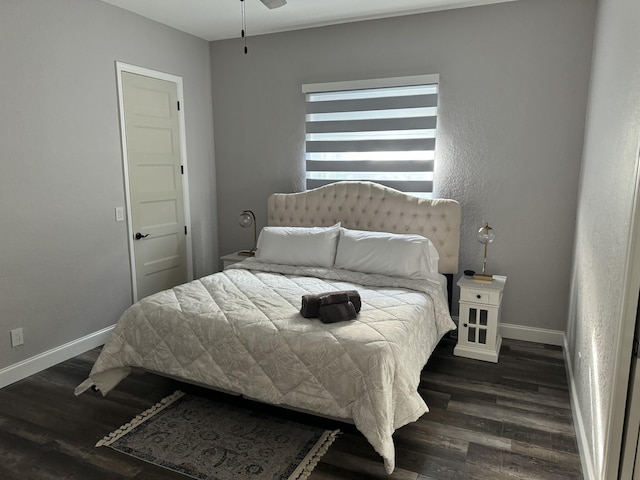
[(380, 130)]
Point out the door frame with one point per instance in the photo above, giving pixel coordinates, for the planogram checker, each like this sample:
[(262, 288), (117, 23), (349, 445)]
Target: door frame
[(120, 69), (621, 442)]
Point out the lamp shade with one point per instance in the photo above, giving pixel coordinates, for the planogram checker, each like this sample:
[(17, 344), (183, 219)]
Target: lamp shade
[(246, 218), (486, 234)]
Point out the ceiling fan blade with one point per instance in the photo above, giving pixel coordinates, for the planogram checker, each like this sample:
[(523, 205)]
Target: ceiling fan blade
[(274, 3)]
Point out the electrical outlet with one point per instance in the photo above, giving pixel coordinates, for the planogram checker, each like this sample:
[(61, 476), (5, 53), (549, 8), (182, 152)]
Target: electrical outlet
[(17, 337)]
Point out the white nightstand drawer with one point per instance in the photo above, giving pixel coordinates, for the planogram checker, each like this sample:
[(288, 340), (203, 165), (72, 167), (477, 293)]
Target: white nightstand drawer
[(474, 295)]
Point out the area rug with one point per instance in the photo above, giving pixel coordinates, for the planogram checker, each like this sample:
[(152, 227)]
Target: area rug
[(211, 440)]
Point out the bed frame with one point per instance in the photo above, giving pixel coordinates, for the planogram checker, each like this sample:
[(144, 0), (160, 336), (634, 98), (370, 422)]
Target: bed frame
[(371, 206)]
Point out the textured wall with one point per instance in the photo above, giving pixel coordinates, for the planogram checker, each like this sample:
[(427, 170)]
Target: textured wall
[(514, 80), (603, 225), (64, 265)]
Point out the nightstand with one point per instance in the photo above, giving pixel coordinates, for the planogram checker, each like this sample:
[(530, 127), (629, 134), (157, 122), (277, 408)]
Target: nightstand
[(480, 303), (231, 258)]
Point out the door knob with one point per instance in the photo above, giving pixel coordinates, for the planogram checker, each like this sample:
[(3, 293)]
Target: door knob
[(139, 236)]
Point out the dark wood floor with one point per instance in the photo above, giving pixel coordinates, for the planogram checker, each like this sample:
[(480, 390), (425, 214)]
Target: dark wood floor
[(509, 420)]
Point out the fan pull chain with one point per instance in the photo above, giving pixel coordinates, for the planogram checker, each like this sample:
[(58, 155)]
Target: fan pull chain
[(244, 26)]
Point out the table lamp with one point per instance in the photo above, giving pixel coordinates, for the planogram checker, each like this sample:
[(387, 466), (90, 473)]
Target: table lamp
[(485, 236), (246, 219)]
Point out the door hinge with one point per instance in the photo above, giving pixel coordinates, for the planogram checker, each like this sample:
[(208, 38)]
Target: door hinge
[(182, 169), (185, 229), (636, 344), (178, 104)]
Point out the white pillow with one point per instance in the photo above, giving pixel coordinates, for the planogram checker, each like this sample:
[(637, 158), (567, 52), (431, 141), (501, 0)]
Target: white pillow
[(394, 254), (304, 246)]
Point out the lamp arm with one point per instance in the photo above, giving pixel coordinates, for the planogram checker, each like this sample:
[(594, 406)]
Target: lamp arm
[(255, 237), (255, 231), (484, 263)]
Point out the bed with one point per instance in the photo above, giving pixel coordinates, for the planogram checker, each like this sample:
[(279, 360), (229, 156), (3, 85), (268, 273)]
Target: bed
[(241, 330)]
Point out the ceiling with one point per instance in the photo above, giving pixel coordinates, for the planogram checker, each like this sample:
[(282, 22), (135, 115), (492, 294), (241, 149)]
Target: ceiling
[(221, 19)]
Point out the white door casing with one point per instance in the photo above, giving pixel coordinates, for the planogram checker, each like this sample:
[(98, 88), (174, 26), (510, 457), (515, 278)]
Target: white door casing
[(156, 187), (629, 465), (624, 413)]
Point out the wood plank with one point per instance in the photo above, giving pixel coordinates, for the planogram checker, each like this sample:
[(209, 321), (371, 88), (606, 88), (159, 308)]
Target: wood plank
[(509, 420)]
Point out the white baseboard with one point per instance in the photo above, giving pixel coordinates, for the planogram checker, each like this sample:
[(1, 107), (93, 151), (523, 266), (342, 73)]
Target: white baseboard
[(588, 468), (528, 334), (532, 334), (42, 361)]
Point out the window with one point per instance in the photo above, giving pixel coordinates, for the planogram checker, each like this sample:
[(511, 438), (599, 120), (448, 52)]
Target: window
[(380, 130)]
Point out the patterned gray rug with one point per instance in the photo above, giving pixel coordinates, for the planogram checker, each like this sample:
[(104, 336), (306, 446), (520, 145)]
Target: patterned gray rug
[(209, 440)]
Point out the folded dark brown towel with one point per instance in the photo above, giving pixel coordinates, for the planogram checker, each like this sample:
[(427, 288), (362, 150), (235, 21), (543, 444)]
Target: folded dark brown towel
[(311, 303), (337, 312)]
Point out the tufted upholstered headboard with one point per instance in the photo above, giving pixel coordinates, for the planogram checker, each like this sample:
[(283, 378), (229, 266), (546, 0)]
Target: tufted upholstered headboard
[(371, 206)]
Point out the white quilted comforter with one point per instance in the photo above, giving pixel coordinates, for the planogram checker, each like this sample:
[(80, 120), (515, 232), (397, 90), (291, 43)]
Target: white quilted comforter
[(240, 330)]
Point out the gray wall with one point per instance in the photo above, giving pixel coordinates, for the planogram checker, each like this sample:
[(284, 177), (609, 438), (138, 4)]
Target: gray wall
[(514, 80), (64, 266), (604, 226)]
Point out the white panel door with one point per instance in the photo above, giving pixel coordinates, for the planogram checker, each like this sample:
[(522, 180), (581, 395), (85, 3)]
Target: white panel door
[(153, 157)]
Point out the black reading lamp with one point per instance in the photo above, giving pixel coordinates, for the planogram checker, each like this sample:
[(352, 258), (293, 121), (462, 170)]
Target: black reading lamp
[(246, 219)]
